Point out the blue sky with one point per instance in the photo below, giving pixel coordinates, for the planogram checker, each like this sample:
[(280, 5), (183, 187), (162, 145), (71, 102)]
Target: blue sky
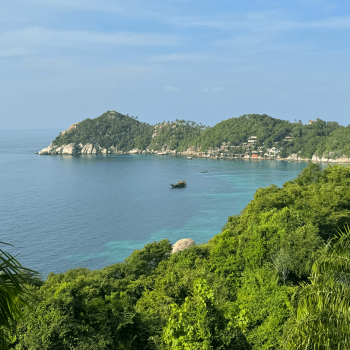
[(62, 61)]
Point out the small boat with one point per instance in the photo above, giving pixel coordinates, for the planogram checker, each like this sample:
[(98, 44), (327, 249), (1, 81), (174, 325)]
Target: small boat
[(178, 184), (189, 157), (205, 171)]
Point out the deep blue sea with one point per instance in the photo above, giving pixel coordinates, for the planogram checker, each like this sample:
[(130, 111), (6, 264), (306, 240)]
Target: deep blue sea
[(61, 212)]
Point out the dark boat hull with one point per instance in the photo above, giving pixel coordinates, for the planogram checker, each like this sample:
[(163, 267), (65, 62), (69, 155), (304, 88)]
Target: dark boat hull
[(178, 184)]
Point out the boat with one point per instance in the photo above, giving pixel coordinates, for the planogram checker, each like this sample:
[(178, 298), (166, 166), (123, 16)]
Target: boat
[(189, 157), (178, 184), (205, 171)]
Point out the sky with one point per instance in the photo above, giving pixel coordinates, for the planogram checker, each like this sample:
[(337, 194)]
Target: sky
[(62, 61)]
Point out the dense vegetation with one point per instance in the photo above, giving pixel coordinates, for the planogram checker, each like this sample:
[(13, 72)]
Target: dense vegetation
[(13, 281), (247, 288), (317, 138), (109, 129), (126, 133), (178, 135)]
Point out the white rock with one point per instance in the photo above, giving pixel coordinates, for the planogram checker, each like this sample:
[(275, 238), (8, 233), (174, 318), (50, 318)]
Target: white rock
[(70, 149), (183, 244), (87, 149), (51, 150)]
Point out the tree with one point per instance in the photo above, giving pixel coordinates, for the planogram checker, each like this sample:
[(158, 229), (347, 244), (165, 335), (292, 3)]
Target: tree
[(323, 313), (199, 324), (13, 278)]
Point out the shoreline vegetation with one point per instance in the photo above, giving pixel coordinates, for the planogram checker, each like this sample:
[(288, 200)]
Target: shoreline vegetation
[(275, 277), (250, 136)]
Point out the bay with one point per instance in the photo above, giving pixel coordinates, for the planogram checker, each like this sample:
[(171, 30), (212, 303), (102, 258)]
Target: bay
[(62, 212)]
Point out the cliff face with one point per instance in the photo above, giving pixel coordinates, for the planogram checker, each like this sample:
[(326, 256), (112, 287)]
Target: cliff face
[(74, 149)]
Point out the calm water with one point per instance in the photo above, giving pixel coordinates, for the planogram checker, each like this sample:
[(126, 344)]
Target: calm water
[(64, 212)]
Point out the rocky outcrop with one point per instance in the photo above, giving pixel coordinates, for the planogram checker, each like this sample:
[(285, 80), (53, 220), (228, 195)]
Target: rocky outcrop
[(182, 244), (327, 159), (87, 149), (72, 127), (71, 149), (51, 150)]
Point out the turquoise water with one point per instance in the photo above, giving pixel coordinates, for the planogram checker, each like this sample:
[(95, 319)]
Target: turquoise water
[(63, 212)]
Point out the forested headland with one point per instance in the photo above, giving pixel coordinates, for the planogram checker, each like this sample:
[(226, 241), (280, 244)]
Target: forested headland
[(275, 277), (248, 135)]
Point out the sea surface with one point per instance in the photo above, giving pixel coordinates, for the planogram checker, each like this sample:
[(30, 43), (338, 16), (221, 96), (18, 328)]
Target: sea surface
[(62, 212)]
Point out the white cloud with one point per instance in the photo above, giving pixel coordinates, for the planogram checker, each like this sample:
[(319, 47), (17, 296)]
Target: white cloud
[(170, 88), (106, 5), (213, 89), (178, 57), (259, 21), (217, 89), (329, 23), (30, 40)]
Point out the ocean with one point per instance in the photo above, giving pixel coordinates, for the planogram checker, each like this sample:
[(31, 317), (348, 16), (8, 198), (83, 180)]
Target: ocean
[(63, 212)]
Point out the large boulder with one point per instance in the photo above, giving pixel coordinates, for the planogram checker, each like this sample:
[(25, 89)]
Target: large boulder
[(70, 149), (96, 150), (87, 149), (183, 244), (51, 150)]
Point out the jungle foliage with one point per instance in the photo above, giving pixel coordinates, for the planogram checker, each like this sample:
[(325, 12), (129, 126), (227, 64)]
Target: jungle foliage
[(126, 133), (250, 287), (318, 138), (109, 129), (178, 135)]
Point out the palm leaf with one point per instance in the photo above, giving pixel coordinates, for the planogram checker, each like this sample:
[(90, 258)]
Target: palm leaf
[(13, 279), (323, 313)]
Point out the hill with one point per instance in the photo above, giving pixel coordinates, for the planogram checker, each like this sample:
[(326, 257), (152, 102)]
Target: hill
[(250, 135), (239, 291), (305, 140), (111, 129), (113, 132)]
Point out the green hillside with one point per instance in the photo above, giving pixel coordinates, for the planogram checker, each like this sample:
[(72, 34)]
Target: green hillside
[(316, 138), (109, 129), (242, 290), (178, 135), (125, 133)]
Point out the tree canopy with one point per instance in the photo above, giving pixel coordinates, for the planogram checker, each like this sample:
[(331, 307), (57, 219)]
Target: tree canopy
[(125, 133), (247, 288)]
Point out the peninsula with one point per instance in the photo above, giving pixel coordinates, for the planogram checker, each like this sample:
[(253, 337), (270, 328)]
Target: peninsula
[(251, 136)]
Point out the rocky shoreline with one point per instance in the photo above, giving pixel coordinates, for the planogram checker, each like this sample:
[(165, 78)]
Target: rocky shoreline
[(74, 149)]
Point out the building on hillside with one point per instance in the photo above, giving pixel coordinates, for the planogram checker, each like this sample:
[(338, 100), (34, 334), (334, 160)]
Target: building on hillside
[(274, 151), (252, 139), (312, 122)]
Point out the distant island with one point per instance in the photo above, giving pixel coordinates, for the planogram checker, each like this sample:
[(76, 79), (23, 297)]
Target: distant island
[(251, 136)]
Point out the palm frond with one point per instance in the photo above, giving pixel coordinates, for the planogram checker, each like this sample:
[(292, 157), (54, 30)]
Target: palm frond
[(13, 279), (323, 313)]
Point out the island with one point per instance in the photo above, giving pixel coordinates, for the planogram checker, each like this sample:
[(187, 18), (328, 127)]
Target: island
[(250, 136)]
